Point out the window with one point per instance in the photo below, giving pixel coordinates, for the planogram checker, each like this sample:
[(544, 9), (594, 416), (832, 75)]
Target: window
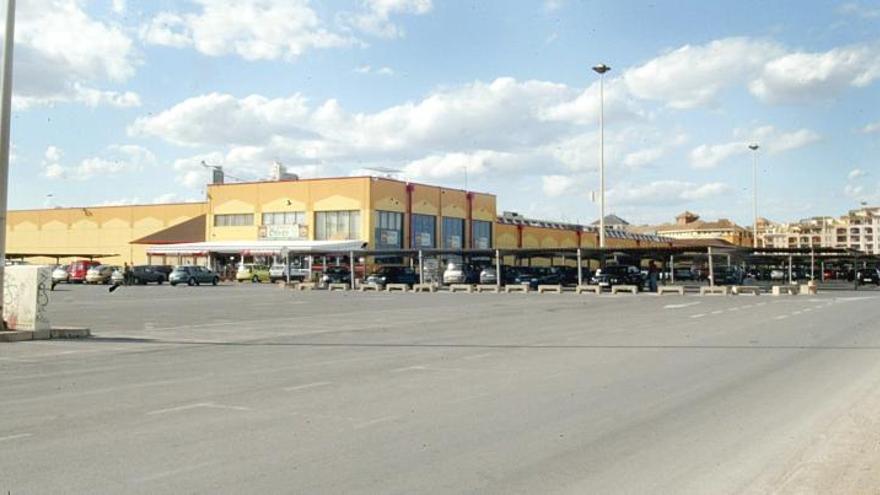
[(234, 220), (389, 229), (284, 218), (453, 233), (424, 228), (482, 234), (338, 225)]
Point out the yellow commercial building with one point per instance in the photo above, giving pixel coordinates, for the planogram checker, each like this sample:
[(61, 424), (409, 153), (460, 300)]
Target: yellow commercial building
[(382, 213)]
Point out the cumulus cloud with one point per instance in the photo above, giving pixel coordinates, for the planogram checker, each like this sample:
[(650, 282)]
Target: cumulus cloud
[(62, 54), (375, 19), (871, 128), (856, 173), (769, 138), (664, 193), (804, 77), (251, 29), (116, 159), (554, 186), (860, 10), (381, 71)]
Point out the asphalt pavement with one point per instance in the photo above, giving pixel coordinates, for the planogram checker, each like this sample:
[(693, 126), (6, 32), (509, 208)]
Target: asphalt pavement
[(256, 389)]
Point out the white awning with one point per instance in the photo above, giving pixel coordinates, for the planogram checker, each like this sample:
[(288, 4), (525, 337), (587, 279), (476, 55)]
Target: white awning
[(255, 247)]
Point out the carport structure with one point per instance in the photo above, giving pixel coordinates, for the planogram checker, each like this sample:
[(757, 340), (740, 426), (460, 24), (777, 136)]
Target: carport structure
[(814, 257)]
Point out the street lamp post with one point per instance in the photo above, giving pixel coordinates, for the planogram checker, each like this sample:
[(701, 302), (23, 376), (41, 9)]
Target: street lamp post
[(601, 69), (754, 147), (5, 110)]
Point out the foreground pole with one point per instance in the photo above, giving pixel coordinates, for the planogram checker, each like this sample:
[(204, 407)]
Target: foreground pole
[(711, 269), (498, 269), (580, 268), (5, 110)]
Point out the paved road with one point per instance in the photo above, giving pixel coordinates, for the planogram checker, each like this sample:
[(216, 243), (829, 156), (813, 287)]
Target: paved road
[(251, 389)]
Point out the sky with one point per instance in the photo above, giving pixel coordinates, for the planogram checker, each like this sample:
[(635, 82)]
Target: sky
[(119, 101)]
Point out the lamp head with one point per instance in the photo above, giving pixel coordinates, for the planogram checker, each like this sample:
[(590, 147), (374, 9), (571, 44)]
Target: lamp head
[(753, 147), (601, 68)]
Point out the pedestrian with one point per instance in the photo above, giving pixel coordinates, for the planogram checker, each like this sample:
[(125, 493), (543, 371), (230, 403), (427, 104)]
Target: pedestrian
[(126, 274), (653, 273)]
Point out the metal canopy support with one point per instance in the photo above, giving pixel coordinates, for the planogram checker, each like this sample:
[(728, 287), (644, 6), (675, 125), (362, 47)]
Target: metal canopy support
[(812, 264), (352, 263), (421, 268), (790, 270), (711, 268), (672, 268), (580, 267), (498, 269)]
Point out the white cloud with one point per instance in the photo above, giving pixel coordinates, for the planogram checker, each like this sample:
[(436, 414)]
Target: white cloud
[(116, 159), (664, 193), (856, 173), (62, 53), (118, 6), (251, 29), (381, 71), (554, 186), (767, 137), (873, 127), (805, 77), (860, 10), (553, 5), (376, 17), (694, 75)]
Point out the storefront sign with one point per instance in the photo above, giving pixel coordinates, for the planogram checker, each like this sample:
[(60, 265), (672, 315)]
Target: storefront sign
[(423, 239), (389, 238), (455, 241), (284, 232)]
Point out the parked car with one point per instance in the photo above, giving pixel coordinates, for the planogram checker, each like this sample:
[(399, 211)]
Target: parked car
[(193, 275), (542, 275), (278, 271), (393, 275), (489, 275), (778, 274), (336, 275), (867, 276), (60, 274), (684, 275), (728, 275), (78, 269), (117, 277), (150, 274), (460, 273), (613, 275), (99, 274), (252, 272)]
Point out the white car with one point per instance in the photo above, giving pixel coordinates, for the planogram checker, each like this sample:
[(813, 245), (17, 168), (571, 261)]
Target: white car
[(777, 274), (278, 272), (60, 274), (117, 277), (99, 274)]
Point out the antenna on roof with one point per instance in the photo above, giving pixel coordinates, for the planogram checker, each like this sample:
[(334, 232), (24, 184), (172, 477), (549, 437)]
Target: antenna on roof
[(388, 173)]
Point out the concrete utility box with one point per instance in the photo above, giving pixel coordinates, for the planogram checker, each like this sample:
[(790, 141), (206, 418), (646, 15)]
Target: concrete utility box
[(26, 297)]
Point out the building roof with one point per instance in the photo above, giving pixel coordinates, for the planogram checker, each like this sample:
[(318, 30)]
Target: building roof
[(192, 230), (612, 219), (720, 224)]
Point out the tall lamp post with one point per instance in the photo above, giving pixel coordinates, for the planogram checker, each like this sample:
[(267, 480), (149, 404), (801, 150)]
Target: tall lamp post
[(754, 147), (601, 69), (5, 109)]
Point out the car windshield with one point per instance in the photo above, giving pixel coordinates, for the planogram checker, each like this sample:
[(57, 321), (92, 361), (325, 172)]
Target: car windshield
[(614, 270)]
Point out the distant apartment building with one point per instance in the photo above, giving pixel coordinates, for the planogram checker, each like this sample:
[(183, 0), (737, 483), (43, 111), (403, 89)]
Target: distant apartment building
[(689, 226), (858, 229)]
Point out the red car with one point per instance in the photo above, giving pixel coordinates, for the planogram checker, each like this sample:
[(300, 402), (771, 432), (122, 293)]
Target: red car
[(78, 269)]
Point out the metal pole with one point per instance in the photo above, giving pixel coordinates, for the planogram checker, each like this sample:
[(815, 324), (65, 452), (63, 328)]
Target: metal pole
[(287, 265), (790, 270), (351, 265), (498, 269), (672, 268), (602, 160), (711, 269), (812, 263), (728, 260), (5, 111), (754, 148), (421, 268), (580, 268)]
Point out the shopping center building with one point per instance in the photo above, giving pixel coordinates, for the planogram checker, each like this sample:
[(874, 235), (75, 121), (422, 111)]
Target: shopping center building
[(248, 219)]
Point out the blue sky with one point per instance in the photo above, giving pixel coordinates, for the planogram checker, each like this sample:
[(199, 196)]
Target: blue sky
[(119, 101)]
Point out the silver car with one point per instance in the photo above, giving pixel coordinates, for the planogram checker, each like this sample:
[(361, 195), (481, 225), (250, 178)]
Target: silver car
[(60, 274)]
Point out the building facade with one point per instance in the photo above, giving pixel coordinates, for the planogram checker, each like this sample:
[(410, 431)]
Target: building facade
[(858, 229), (689, 226)]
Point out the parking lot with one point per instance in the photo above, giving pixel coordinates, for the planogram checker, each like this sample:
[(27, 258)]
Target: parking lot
[(254, 389)]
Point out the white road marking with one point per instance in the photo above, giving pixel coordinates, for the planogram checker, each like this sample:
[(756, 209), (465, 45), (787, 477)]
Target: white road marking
[(698, 315), (678, 306), (209, 405), (13, 437), (480, 356), (747, 306), (736, 308), (376, 421), (717, 312), (796, 312), (781, 317), (172, 472), (306, 385), (761, 304), (407, 368)]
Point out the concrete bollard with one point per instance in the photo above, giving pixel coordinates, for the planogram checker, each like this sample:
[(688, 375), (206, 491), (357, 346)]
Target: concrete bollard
[(26, 298)]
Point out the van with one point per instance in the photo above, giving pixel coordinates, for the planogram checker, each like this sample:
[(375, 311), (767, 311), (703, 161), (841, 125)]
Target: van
[(79, 269)]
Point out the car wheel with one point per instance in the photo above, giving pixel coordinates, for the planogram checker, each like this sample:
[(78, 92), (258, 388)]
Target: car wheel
[(173, 284), (191, 282), (160, 281), (215, 281), (255, 279)]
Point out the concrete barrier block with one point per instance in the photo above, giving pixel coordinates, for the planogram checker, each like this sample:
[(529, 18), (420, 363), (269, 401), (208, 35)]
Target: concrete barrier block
[(396, 287), (670, 289), (809, 290), (461, 287), (26, 297), (366, 287), (595, 289), (555, 288), (339, 287), (307, 286), (746, 289), (632, 289), (779, 290), (718, 290), (524, 288), (487, 288), (424, 288)]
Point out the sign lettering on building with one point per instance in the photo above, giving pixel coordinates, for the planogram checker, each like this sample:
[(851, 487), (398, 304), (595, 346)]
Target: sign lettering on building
[(283, 232)]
